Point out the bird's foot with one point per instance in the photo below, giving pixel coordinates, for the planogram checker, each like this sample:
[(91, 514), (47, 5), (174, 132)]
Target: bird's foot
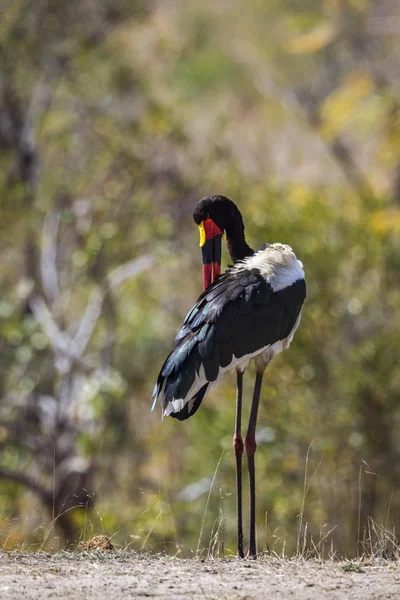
[(251, 555)]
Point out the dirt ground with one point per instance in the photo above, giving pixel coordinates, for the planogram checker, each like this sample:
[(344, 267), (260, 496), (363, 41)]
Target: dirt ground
[(117, 575)]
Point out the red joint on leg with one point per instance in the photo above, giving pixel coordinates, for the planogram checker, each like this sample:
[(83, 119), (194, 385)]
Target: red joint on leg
[(251, 445), (238, 446)]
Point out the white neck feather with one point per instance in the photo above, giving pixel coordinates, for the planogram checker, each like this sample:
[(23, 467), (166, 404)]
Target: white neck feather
[(277, 263)]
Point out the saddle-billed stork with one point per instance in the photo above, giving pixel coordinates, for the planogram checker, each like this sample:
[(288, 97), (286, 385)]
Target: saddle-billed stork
[(251, 311)]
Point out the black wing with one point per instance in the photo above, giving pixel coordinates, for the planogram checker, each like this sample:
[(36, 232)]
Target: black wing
[(237, 315)]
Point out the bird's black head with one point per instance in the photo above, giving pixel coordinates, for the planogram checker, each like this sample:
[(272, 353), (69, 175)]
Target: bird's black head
[(216, 215), (222, 211)]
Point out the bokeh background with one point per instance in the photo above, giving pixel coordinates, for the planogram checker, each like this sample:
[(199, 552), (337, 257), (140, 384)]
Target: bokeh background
[(116, 117)]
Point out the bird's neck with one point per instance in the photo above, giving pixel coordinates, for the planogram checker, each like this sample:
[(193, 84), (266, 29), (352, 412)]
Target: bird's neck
[(237, 246)]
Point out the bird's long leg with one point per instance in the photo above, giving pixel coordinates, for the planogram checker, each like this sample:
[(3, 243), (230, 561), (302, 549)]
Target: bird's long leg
[(251, 447), (238, 450)]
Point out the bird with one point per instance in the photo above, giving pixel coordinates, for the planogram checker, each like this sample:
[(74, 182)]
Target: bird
[(249, 312)]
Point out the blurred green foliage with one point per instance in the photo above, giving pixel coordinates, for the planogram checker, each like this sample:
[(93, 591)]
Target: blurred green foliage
[(132, 112)]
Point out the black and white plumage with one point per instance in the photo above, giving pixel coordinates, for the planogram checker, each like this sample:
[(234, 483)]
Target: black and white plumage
[(252, 310), (249, 312)]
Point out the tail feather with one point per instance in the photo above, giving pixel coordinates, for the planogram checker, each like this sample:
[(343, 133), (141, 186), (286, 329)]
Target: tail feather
[(192, 406), (179, 386)]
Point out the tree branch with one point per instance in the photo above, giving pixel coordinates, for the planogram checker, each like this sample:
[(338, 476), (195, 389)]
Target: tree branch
[(95, 305), (48, 260), (30, 482), (59, 340)]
